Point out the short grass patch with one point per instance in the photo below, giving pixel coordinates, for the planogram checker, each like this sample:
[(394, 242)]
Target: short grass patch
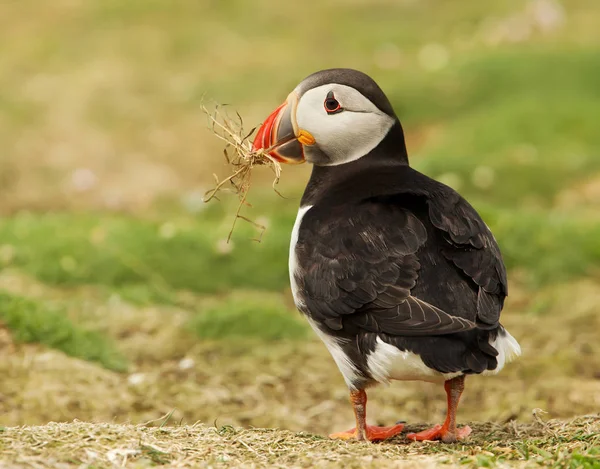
[(32, 321), (181, 254), (249, 315), (150, 261)]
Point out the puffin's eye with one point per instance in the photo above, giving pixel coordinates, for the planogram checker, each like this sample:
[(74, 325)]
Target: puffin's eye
[(331, 104)]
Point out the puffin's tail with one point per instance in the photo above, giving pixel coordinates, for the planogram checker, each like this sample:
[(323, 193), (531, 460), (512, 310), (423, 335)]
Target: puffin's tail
[(507, 347)]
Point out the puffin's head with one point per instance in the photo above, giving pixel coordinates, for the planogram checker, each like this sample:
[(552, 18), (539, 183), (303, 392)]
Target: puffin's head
[(332, 117)]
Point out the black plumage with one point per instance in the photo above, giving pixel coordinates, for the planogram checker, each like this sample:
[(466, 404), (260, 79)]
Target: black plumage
[(388, 251)]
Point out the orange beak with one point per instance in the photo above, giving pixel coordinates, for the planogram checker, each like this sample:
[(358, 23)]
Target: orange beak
[(278, 134)]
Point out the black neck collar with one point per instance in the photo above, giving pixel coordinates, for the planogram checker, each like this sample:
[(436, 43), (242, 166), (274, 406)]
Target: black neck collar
[(367, 173)]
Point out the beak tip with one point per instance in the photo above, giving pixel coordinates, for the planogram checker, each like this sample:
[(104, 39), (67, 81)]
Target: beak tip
[(264, 136)]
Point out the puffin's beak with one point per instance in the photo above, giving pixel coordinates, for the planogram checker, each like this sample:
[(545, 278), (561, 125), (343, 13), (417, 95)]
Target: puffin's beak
[(279, 134)]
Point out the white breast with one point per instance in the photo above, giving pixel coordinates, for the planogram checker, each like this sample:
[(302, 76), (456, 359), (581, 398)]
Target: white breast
[(333, 344), (293, 261)]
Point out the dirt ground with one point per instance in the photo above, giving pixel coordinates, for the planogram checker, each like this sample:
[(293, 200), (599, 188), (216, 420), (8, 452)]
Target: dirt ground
[(571, 444)]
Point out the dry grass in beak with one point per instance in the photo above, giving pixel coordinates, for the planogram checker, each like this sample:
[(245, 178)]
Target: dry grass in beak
[(241, 158)]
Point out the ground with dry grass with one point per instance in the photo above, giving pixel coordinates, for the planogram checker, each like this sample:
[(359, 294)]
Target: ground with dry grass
[(571, 444), (121, 300), (275, 373)]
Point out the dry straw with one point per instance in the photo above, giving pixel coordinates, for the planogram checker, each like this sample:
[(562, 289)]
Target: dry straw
[(242, 159)]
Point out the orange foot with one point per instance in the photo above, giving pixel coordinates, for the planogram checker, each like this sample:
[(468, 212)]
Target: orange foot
[(372, 433), (440, 433)]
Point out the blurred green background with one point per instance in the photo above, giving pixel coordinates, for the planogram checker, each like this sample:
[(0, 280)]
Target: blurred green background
[(120, 298)]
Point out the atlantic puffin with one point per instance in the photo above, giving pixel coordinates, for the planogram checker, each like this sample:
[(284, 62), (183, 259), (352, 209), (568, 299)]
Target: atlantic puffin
[(396, 272)]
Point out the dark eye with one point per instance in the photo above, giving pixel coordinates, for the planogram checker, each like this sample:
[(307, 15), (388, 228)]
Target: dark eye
[(331, 104)]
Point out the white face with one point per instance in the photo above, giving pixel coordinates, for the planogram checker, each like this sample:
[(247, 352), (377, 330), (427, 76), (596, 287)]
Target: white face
[(345, 135)]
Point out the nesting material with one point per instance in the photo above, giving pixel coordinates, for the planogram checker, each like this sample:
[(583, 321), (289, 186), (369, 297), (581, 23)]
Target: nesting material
[(240, 158)]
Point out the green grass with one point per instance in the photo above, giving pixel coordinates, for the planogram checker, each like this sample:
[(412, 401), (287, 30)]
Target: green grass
[(191, 254), (548, 247), (35, 322), (249, 315), (152, 260), (528, 116)]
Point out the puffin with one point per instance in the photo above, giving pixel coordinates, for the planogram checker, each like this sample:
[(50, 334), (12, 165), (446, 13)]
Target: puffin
[(396, 272)]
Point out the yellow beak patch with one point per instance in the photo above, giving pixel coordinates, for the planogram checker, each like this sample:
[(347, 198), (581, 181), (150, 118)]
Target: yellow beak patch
[(305, 138)]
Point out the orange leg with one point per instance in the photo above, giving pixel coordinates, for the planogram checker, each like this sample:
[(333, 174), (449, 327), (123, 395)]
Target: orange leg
[(362, 431), (448, 432)]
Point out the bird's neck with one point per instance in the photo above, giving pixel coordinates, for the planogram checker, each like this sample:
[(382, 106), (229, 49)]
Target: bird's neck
[(368, 173), (392, 149)]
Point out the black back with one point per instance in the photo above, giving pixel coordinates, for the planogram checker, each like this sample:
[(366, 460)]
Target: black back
[(386, 251)]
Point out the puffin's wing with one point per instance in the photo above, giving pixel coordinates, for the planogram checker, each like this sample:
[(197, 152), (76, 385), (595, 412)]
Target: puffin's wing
[(356, 266), (471, 247)]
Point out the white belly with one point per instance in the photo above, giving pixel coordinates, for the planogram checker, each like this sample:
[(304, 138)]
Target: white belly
[(387, 363)]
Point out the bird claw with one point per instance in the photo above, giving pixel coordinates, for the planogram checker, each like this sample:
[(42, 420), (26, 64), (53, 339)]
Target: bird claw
[(440, 433), (372, 433)]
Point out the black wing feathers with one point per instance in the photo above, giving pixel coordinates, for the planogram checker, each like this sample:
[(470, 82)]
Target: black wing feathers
[(356, 271), (473, 249)]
